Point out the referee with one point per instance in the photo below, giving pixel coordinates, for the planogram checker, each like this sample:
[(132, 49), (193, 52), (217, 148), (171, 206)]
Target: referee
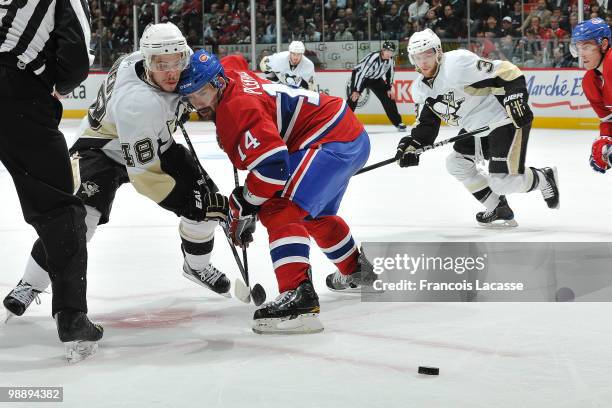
[(369, 73), (44, 54)]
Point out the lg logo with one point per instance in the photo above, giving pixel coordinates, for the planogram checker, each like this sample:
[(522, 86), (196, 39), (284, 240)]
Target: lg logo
[(348, 46), (321, 47), (334, 56)]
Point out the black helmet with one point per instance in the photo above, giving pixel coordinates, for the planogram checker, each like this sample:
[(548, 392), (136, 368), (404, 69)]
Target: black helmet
[(389, 45)]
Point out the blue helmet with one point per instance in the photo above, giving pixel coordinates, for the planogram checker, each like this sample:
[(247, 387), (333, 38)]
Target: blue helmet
[(594, 29), (204, 68)]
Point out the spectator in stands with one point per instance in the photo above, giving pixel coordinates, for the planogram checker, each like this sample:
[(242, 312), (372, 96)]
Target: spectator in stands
[(508, 29), (350, 21), (449, 26), (312, 35), (436, 6), (536, 27), (407, 31), (517, 15), (573, 22), (492, 27), (331, 11), (431, 20), (541, 12), (392, 22), (555, 32), (417, 11), (342, 34)]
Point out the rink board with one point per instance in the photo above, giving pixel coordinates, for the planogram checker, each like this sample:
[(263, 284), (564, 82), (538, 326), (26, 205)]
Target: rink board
[(556, 97)]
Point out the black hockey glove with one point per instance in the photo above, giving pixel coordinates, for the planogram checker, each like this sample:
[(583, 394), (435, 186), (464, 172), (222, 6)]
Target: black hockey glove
[(405, 155), (243, 218), (203, 206), (518, 109)]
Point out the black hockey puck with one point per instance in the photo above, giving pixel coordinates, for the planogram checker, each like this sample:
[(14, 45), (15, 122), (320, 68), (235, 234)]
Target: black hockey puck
[(258, 294), (429, 370)]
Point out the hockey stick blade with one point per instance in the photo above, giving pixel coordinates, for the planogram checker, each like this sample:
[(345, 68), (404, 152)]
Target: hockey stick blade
[(242, 291), (503, 122)]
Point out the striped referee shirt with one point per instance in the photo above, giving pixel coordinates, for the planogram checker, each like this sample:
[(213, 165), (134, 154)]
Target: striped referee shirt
[(49, 38), (372, 67)]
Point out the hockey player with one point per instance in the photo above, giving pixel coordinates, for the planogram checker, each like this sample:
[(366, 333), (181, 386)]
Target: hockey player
[(591, 41), (127, 137), (470, 92), (290, 67), (300, 149), (375, 72)]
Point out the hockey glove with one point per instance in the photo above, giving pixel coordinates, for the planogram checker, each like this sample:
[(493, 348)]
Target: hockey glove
[(518, 109), (203, 206), (405, 155), (600, 154), (182, 113), (243, 218)]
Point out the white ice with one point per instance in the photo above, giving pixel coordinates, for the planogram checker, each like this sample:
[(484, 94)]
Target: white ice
[(170, 343)]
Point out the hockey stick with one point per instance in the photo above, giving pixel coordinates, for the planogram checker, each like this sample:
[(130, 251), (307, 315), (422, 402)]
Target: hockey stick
[(243, 272), (438, 144), (242, 289)]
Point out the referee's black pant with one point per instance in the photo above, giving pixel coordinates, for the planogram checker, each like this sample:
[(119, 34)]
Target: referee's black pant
[(34, 152), (379, 88)]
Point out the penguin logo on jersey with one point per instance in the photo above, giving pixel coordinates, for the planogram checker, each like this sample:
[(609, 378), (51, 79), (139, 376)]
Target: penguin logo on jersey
[(363, 99), (446, 107), (90, 188)]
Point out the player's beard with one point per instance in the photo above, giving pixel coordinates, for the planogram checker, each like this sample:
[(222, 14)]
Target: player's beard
[(207, 114)]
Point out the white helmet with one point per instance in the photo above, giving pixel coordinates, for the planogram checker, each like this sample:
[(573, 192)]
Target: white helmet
[(164, 38), (297, 47), (423, 41)]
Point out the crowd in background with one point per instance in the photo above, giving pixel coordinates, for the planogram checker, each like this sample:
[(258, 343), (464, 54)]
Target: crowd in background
[(532, 33)]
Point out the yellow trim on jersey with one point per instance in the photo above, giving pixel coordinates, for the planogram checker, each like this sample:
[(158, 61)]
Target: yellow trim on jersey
[(152, 182)]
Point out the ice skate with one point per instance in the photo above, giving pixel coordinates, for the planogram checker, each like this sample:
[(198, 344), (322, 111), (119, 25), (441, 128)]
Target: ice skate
[(550, 189), (292, 312), (501, 216), (20, 298), (360, 280), (209, 277), (79, 335)]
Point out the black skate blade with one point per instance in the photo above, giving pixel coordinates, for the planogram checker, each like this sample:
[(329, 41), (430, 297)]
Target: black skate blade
[(77, 351), (307, 323)]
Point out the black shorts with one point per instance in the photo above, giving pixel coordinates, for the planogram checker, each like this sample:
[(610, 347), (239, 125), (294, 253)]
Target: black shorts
[(505, 148), (99, 177)]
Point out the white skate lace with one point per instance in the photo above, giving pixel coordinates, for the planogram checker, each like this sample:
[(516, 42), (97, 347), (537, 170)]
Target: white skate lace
[(210, 274), (282, 296), (340, 279), (547, 190), (25, 293)]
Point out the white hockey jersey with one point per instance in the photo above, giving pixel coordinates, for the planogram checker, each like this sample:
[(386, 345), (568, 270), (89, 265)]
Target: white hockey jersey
[(464, 91), (278, 65), (132, 122)]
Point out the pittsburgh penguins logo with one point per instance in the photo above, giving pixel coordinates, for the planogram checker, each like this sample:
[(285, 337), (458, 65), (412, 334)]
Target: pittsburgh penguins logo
[(363, 99), (446, 107)]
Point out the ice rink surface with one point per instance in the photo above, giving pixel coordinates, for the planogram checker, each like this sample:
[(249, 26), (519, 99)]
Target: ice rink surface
[(171, 343)]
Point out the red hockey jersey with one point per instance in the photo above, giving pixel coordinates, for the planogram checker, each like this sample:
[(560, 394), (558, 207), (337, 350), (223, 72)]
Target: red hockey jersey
[(260, 123), (597, 86)]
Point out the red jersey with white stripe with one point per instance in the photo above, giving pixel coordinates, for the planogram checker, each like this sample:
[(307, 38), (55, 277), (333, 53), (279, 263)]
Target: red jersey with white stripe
[(597, 86), (260, 123)]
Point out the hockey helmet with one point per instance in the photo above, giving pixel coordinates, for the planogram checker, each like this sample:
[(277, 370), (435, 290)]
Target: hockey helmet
[(389, 46), (164, 38), (204, 68), (422, 41), (594, 29), (297, 47)]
